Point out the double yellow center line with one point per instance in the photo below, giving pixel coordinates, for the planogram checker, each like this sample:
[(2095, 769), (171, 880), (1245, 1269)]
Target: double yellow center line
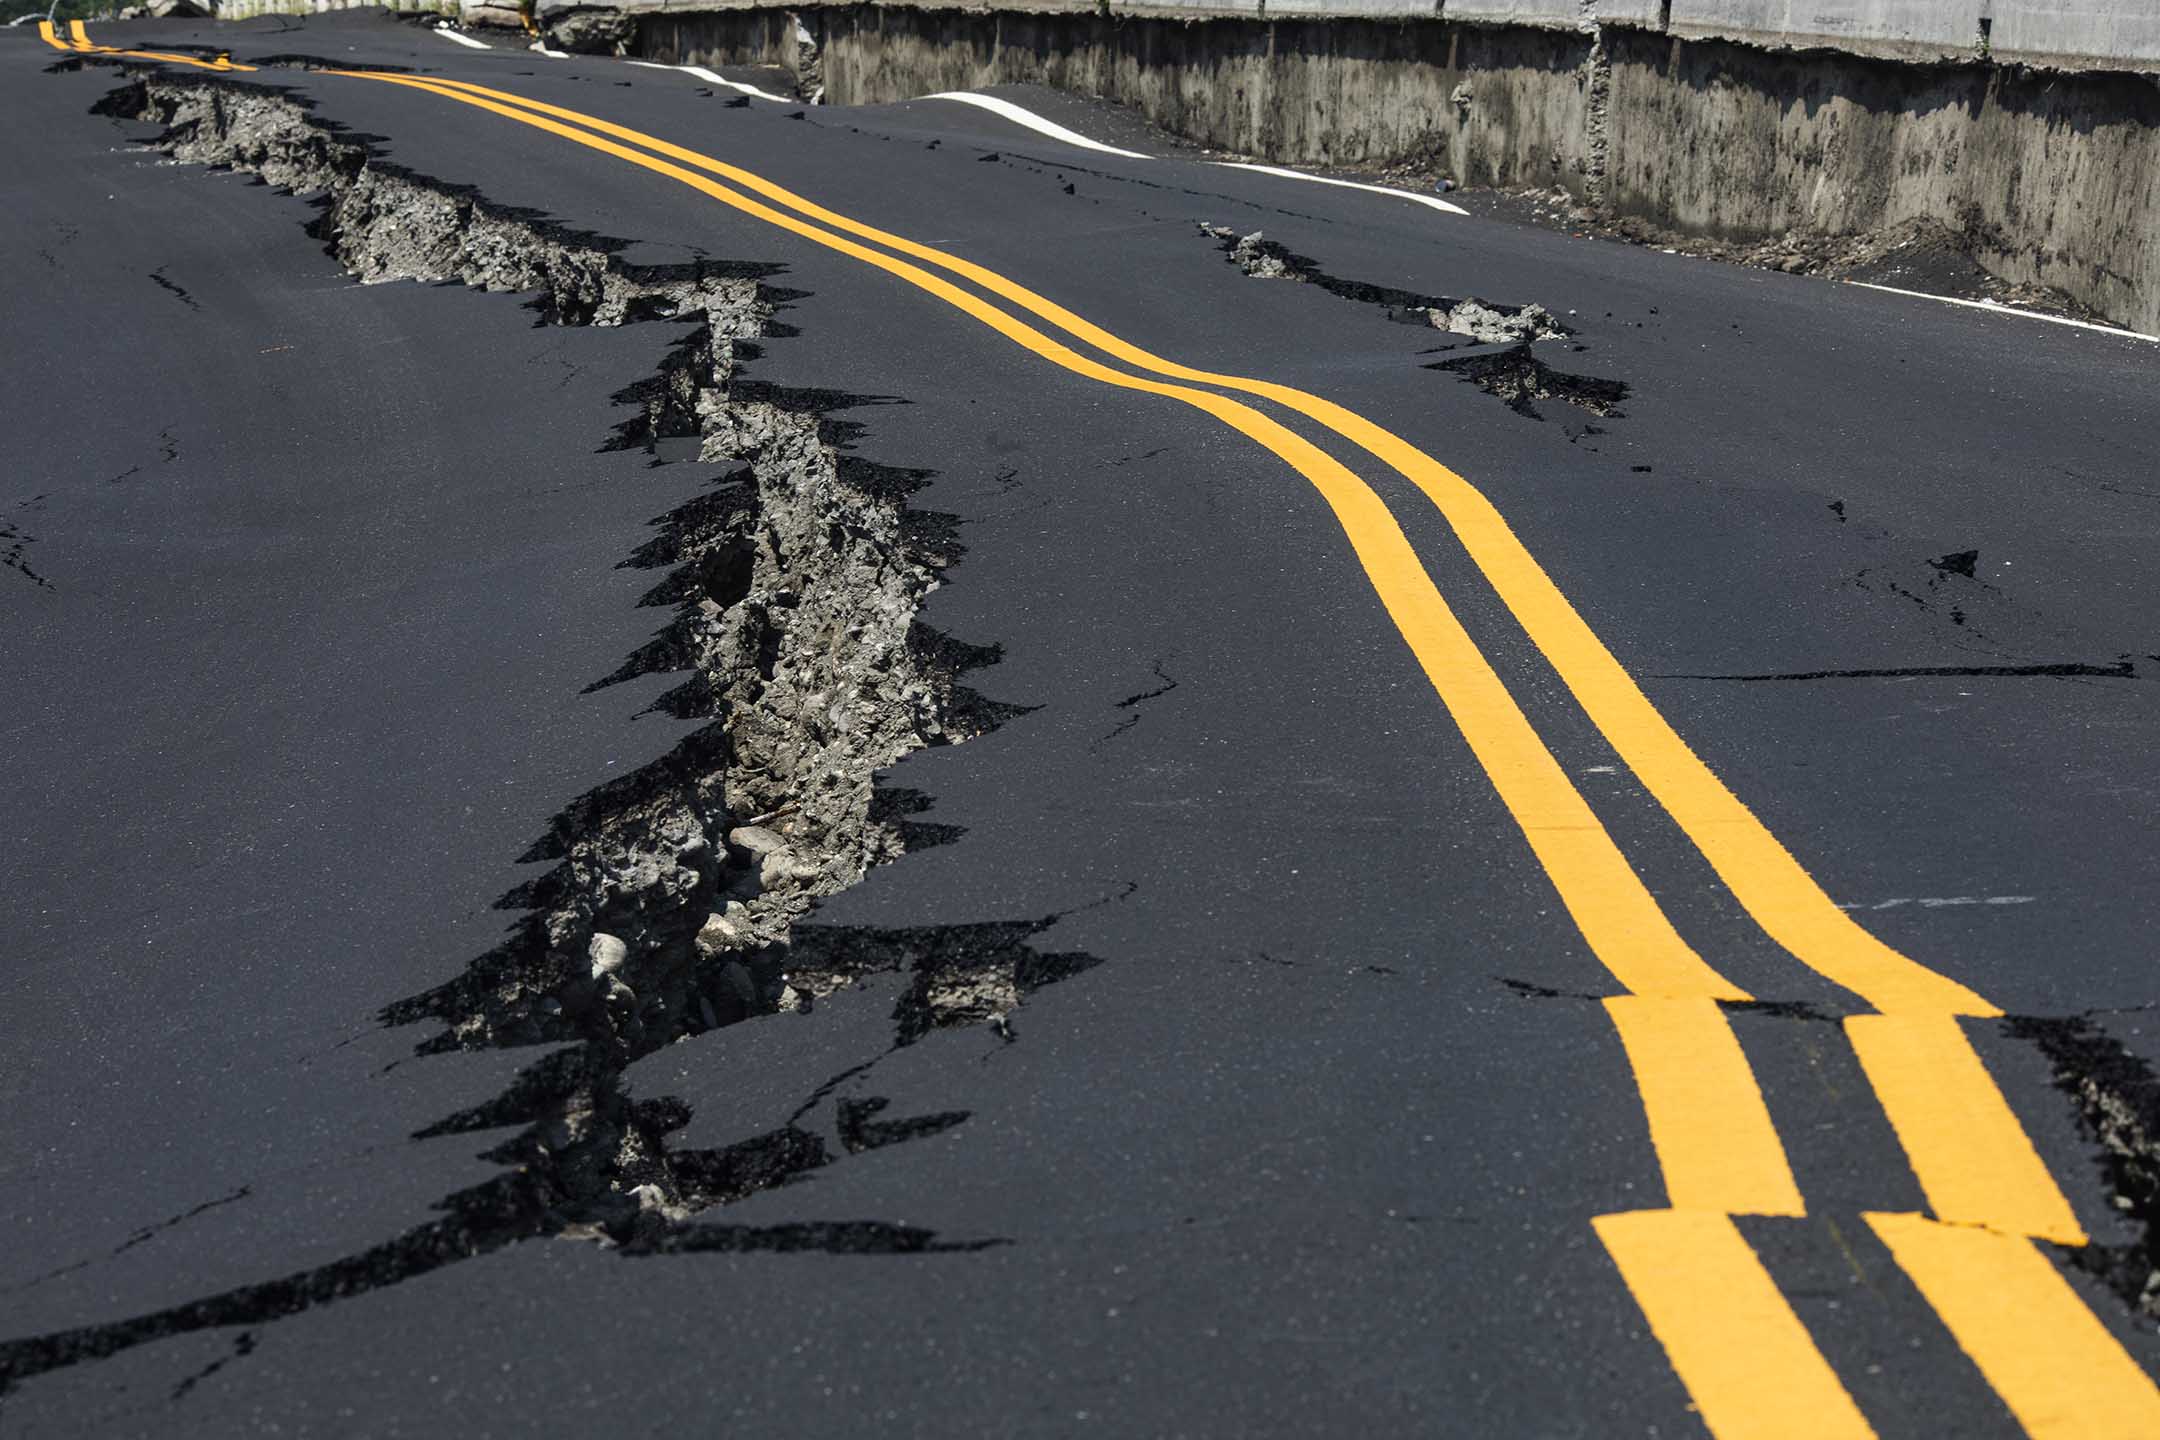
[(1750, 1365), (79, 41)]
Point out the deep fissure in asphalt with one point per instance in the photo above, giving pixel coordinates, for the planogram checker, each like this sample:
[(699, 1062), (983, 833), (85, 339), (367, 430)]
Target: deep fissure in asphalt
[(791, 584), (1517, 378), (2118, 1105), (1514, 376), (1484, 321)]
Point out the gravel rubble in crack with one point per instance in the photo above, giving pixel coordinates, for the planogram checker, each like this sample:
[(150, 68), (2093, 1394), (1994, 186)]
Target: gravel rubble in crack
[(1518, 379), (792, 584), (2117, 1096)]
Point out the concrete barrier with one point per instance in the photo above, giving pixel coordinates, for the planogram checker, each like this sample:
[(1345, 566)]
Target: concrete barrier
[(2055, 34), (1900, 29), (2063, 34), (2078, 34), (248, 9)]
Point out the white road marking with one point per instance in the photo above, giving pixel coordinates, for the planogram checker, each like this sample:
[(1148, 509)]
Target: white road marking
[(1433, 201), (1032, 121), (2000, 309), (539, 47), (1936, 902), (448, 34), (712, 77)]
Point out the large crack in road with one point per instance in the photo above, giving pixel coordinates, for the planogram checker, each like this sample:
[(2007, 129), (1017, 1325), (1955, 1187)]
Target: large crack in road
[(792, 585)]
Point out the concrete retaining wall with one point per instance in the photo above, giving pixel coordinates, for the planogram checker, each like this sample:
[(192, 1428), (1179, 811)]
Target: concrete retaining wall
[(2054, 178), (247, 9), (2066, 34), (2076, 34), (2081, 34)]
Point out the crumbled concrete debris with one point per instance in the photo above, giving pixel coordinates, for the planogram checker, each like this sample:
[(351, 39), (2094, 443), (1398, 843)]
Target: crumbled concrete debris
[(1262, 260), (592, 32), (490, 17), (607, 953), (809, 64), (1480, 320), (756, 839), (720, 933), (1489, 325)]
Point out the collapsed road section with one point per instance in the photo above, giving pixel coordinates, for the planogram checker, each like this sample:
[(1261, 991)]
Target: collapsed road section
[(791, 586)]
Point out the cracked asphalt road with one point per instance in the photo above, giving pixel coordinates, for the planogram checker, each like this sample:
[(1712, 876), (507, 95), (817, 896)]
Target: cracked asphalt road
[(1325, 1121)]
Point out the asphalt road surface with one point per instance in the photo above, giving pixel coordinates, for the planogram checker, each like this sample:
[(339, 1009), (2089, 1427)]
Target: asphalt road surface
[(1591, 890)]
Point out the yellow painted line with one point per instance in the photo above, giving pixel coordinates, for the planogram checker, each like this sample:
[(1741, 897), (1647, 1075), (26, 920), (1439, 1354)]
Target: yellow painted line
[(81, 44), (1747, 1361), (1975, 1162), (2056, 1367), (222, 63), (1761, 873), (1617, 915), (1712, 1132)]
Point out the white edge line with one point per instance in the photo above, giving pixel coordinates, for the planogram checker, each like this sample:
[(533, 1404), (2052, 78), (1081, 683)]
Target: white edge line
[(714, 77), (448, 34), (1999, 309), (1032, 121), (711, 78), (1411, 195)]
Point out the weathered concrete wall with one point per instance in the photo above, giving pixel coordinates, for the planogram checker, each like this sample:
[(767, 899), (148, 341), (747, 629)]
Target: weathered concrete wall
[(1498, 106), (1549, 14), (2075, 34), (2081, 34), (2067, 34), (2056, 178), (1906, 29), (246, 9)]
